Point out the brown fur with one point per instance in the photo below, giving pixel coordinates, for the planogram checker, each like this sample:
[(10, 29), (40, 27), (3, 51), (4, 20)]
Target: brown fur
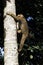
[(23, 27)]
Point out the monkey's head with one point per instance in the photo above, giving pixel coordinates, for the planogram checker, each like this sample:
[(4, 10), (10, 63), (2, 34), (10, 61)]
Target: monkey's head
[(20, 16)]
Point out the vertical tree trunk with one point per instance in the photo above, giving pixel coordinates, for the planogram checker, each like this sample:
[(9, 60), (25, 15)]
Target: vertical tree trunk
[(10, 41)]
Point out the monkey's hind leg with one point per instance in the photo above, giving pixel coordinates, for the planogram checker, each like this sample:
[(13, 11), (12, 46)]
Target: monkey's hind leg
[(24, 36)]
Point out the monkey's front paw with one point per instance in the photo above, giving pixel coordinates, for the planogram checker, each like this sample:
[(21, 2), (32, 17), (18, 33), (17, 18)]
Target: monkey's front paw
[(19, 31), (9, 13), (19, 50)]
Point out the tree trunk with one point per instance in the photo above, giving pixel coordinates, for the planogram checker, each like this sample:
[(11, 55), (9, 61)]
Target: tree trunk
[(10, 41)]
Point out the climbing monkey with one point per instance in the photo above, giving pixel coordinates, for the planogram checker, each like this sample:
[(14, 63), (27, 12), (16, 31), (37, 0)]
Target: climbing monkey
[(23, 28)]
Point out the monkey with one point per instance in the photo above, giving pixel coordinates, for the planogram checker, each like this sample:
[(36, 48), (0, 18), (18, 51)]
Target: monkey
[(23, 28)]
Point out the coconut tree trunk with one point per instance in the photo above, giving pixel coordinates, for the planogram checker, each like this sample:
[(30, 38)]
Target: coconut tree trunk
[(10, 40)]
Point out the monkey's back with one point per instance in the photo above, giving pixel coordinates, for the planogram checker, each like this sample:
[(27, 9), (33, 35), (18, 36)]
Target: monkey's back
[(24, 26)]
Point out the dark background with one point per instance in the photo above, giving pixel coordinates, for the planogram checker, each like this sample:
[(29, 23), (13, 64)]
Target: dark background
[(34, 9)]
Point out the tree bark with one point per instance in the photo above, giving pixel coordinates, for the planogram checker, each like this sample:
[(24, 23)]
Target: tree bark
[(10, 40)]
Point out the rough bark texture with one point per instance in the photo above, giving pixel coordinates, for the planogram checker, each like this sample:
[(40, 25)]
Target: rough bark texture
[(10, 41)]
